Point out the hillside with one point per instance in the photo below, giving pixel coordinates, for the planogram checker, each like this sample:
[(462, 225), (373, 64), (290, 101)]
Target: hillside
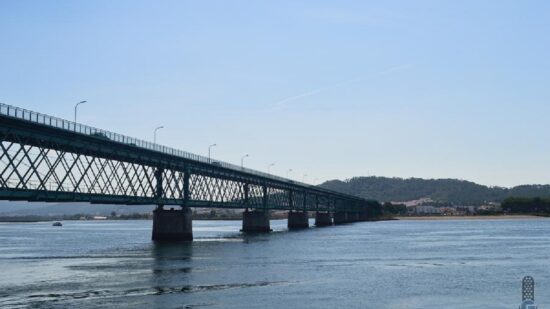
[(444, 190)]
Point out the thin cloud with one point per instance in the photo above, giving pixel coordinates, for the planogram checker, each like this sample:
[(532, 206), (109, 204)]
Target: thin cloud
[(284, 102)]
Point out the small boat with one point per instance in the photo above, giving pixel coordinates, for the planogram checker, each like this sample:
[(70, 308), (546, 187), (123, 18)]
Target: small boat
[(57, 224)]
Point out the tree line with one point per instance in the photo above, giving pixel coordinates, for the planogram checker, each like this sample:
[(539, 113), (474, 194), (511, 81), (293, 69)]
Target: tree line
[(524, 205), (452, 191)]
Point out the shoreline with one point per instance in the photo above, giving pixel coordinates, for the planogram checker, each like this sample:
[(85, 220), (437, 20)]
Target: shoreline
[(401, 218), (493, 217)]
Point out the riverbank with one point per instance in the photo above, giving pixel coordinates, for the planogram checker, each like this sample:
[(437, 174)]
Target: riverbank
[(27, 219), (495, 217)]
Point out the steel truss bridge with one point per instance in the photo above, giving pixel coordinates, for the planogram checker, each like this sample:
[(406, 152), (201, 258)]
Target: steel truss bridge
[(44, 158)]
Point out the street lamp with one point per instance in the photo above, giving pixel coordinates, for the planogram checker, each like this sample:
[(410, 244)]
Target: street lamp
[(288, 172), (155, 134), (242, 160), (210, 147), (269, 167), (76, 109)]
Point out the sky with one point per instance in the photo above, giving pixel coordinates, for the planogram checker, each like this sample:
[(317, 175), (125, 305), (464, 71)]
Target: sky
[(329, 89)]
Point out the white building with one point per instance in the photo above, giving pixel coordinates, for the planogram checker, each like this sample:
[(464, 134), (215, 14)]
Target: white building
[(423, 210)]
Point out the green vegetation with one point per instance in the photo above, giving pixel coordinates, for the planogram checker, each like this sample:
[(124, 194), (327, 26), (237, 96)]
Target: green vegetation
[(374, 210), (521, 205), (443, 190), (213, 215), (394, 209)]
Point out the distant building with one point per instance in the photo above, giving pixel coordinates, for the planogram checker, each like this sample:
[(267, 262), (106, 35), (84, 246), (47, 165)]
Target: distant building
[(490, 207), (467, 209), (449, 211), (424, 210)]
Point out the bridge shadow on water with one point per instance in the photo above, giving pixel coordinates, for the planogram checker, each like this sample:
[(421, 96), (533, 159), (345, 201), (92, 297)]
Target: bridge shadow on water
[(182, 271), (163, 252), (170, 270)]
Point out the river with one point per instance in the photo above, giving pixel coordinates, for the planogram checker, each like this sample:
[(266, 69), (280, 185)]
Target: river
[(390, 264)]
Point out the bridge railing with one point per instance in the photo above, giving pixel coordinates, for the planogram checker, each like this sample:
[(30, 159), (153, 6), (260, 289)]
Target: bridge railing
[(21, 113)]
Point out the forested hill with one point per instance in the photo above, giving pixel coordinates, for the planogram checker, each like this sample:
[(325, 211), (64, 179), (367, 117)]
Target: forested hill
[(444, 190)]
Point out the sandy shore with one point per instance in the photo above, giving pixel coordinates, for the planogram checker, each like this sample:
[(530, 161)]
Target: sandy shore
[(500, 217)]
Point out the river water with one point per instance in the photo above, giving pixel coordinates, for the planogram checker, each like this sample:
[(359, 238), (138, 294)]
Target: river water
[(391, 264)]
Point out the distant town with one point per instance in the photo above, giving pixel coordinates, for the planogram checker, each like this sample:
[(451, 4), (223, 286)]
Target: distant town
[(428, 207)]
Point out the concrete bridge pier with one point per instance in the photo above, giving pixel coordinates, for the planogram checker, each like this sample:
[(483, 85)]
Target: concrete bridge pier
[(256, 221), (340, 217), (298, 220), (172, 225), (323, 219)]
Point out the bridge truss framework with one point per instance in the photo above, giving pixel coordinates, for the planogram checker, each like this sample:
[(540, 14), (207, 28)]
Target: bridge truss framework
[(43, 158)]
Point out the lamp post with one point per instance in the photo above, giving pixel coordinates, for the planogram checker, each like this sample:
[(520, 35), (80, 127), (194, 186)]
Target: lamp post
[(210, 147), (76, 109), (242, 160), (155, 134), (269, 167), (288, 172)]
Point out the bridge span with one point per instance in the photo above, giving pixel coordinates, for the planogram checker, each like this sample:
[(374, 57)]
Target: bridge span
[(45, 158)]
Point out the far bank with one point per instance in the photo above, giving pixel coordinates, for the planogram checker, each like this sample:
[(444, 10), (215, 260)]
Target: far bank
[(495, 217)]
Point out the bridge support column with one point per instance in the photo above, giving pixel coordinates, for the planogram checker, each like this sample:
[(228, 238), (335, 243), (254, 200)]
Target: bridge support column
[(340, 217), (353, 216), (323, 219), (298, 220), (256, 221), (172, 224)]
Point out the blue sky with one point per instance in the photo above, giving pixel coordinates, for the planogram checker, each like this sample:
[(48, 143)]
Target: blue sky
[(331, 89)]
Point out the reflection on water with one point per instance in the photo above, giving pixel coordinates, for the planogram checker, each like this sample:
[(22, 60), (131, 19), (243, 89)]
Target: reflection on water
[(398, 264), (171, 269), (172, 251)]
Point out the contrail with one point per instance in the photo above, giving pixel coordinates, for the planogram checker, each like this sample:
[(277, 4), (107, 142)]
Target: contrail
[(283, 102)]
